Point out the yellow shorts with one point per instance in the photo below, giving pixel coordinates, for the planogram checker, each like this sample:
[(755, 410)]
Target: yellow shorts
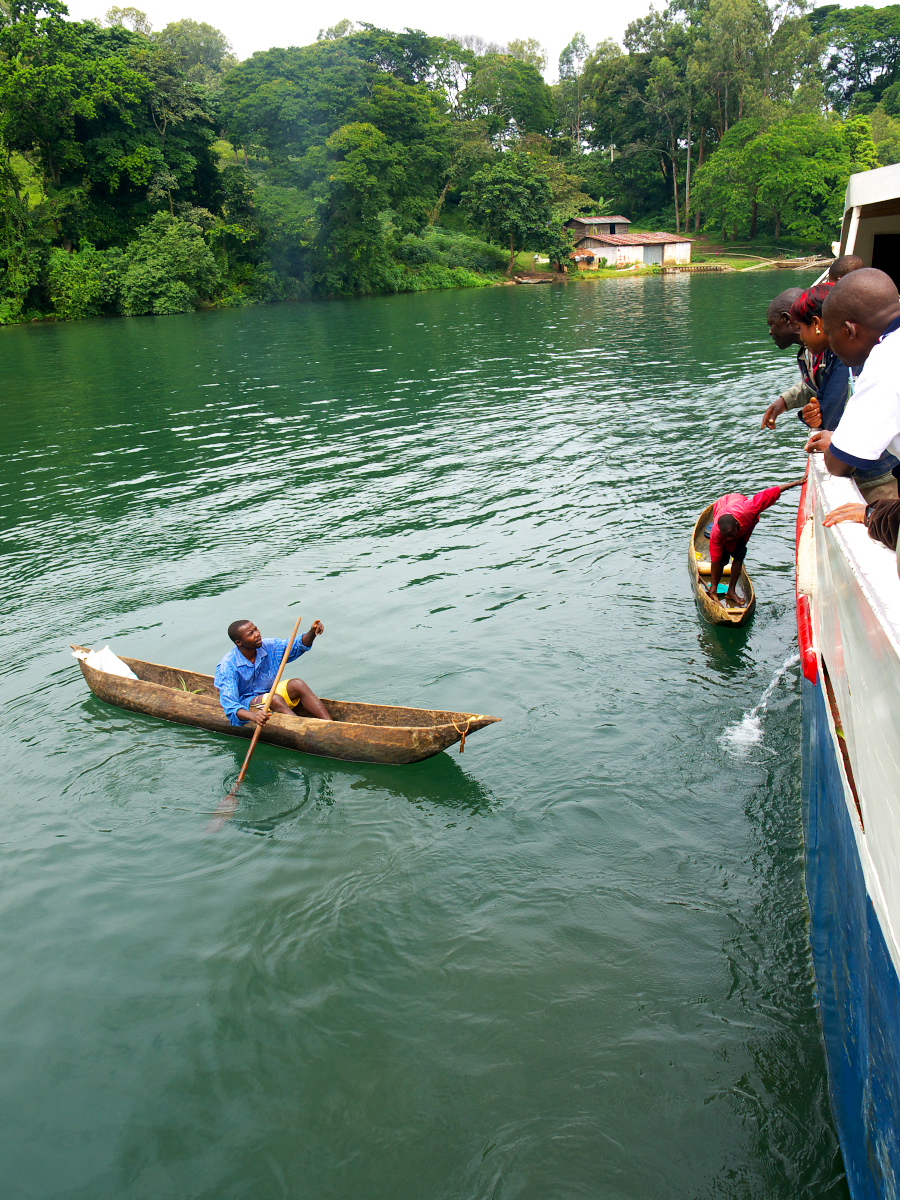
[(282, 691)]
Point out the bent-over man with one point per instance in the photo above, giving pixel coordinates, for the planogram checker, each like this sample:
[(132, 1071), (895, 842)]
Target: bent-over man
[(246, 674), (734, 518)]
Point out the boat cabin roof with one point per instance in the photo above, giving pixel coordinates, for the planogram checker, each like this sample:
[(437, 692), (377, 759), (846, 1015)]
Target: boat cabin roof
[(871, 225), (873, 187)]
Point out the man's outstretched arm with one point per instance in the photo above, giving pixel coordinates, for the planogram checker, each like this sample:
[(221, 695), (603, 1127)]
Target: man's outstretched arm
[(821, 443)]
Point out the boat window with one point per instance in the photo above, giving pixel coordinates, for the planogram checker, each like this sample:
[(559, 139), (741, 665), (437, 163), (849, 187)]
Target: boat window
[(886, 254)]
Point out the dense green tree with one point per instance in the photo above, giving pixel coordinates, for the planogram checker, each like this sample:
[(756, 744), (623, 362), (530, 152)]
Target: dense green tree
[(355, 179), (287, 101), (528, 50), (203, 53), (130, 18), (86, 282), (556, 243), (570, 89), (886, 136), (568, 196), (795, 171), (108, 123), (510, 97), (862, 57), (24, 238), (512, 201), (168, 268)]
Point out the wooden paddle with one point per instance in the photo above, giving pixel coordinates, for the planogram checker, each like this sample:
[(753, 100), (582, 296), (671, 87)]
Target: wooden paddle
[(229, 804)]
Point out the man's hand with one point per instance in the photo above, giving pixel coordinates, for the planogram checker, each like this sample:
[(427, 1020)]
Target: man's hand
[(812, 414), (819, 442), (773, 412), (793, 483), (312, 633), (846, 512), (256, 716)]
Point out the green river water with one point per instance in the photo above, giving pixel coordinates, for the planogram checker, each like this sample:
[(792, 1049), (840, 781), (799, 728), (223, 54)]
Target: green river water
[(571, 963)]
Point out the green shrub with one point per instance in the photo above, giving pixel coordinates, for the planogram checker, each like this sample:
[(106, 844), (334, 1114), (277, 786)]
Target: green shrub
[(435, 276), (416, 251), (169, 268), (448, 249), (85, 282)]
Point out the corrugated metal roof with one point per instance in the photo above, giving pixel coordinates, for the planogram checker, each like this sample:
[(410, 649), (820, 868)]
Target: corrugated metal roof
[(602, 220), (638, 239)]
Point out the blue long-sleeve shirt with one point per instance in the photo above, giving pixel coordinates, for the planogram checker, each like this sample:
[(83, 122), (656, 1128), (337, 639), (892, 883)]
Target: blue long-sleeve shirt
[(240, 681)]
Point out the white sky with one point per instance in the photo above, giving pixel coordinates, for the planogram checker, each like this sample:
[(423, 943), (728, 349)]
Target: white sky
[(265, 23)]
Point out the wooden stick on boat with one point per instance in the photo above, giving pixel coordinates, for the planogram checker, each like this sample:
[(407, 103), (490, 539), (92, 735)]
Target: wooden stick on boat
[(229, 804)]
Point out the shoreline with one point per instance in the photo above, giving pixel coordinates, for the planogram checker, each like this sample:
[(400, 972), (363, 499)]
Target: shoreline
[(482, 282)]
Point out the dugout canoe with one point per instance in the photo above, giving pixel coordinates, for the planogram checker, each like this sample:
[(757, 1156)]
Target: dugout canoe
[(699, 567), (374, 733)]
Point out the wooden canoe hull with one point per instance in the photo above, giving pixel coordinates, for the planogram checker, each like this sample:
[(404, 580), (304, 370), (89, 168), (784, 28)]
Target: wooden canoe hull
[(374, 733), (712, 610)]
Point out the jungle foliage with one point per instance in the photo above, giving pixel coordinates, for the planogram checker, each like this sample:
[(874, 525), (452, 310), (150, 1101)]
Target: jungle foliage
[(148, 171)]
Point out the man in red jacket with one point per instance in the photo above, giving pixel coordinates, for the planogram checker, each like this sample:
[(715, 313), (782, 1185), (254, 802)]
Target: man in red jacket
[(734, 518)]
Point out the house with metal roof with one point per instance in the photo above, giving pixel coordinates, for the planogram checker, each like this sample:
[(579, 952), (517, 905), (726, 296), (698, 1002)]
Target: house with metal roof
[(582, 226), (607, 238)]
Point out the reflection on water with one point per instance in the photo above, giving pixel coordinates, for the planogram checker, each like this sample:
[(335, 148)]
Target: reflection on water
[(571, 962), (725, 650), (277, 791)]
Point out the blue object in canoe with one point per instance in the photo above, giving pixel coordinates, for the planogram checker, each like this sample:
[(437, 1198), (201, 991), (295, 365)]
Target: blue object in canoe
[(722, 589)]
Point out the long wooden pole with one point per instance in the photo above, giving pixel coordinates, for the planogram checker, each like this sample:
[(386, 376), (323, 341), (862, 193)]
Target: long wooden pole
[(228, 804)]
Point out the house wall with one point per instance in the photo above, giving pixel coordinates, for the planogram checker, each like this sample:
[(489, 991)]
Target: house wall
[(644, 254), (604, 252)]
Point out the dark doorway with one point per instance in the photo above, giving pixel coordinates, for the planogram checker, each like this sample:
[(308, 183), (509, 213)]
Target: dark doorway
[(886, 254)]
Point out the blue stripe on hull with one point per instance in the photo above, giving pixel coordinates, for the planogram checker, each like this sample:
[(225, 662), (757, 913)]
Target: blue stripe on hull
[(858, 988)]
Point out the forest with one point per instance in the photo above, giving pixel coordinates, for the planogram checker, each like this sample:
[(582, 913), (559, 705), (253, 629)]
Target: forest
[(148, 171)]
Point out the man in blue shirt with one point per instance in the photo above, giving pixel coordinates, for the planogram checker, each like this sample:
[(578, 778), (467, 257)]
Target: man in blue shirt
[(245, 675)]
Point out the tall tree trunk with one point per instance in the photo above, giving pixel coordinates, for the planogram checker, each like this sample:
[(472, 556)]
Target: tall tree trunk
[(677, 198), (512, 254), (436, 211), (687, 178), (700, 158), (674, 161), (777, 225), (754, 219)]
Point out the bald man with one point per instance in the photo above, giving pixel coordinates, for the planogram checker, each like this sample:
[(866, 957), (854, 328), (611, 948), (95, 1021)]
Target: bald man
[(862, 320), (784, 334), (843, 266)]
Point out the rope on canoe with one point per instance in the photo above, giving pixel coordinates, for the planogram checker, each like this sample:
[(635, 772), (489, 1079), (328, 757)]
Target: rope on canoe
[(462, 733)]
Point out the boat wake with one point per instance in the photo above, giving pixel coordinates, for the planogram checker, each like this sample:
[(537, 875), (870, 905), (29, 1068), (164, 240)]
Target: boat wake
[(739, 739)]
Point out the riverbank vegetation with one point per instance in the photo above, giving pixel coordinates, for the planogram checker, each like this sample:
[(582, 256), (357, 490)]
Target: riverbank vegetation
[(148, 171)]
